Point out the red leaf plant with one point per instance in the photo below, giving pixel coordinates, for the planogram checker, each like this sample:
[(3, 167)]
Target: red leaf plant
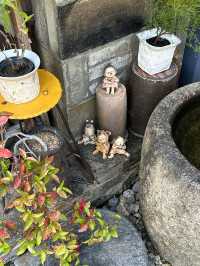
[(9, 224), (5, 153), (4, 119), (4, 233), (45, 229)]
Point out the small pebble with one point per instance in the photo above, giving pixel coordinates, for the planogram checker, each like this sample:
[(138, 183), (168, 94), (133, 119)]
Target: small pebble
[(136, 187), (136, 208), (112, 203), (137, 197), (128, 194)]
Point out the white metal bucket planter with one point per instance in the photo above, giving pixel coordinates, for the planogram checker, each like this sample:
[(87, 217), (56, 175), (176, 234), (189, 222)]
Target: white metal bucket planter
[(154, 59), (24, 88)]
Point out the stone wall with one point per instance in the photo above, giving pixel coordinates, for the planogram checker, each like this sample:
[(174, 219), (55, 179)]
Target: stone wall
[(81, 70), (87, 24)]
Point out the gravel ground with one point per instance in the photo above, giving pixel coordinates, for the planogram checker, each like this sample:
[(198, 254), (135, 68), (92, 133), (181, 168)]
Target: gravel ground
[(127, 204)]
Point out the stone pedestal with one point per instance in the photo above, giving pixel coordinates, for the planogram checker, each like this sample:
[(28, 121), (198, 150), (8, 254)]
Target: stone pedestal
[(145, 92), (112, 111)]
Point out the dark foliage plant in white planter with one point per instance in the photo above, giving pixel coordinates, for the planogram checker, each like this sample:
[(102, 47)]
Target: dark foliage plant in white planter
[(166, 19)]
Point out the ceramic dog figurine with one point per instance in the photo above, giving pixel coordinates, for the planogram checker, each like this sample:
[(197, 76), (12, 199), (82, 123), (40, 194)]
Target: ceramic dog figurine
[(102, 143), (110, 82), (89, 136), (118, 147)]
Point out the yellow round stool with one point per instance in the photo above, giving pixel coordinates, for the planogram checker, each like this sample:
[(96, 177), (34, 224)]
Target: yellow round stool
[(50, 94)]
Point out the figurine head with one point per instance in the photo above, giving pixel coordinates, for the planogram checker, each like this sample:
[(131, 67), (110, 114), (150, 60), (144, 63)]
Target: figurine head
[(119, 141), (103, 136), (110, 72), (89, 123), (89, 128)]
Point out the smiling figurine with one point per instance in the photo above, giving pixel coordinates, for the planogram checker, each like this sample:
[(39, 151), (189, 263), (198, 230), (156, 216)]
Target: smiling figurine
[(118, 147), (110, 82), (102, 143)]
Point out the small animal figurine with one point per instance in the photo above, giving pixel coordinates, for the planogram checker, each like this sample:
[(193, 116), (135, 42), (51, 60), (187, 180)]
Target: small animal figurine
[(118, 147), (110, 82), (102, 143), (89, 136)]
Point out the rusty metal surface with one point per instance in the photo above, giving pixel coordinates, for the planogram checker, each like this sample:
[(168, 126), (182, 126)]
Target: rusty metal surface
[(145, 92)]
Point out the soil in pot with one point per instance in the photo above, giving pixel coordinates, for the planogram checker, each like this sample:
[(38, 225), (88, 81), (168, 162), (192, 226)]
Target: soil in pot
[(16, 67), (186, 132), (158, 42)]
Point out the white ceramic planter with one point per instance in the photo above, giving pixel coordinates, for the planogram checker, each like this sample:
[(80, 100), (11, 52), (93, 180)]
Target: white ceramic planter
[(24, 88), (154, 59)]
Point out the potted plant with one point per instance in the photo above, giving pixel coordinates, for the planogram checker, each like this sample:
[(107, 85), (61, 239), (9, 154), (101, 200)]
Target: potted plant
[(19, 82), (43, 228), (167, 18)]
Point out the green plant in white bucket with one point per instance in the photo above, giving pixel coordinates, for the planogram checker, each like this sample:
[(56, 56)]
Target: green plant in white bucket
[(19, 81), (167, 18)]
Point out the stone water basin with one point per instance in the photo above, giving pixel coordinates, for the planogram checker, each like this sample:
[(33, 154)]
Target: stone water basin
[(170, 177)]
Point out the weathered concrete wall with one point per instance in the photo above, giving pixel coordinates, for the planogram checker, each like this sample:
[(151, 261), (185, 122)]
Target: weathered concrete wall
[(87, 24), (81, 73)]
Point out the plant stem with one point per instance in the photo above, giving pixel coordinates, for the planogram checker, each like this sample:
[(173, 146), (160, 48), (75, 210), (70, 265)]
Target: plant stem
[(159, 36)]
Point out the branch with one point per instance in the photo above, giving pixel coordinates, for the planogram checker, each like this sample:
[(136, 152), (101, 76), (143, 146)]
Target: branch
[(6, 38)]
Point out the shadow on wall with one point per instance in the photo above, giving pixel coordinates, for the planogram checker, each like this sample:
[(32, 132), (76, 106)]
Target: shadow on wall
[(88, 24)]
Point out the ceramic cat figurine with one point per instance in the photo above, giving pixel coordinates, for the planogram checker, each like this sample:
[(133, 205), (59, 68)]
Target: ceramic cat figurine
[(89, 136)]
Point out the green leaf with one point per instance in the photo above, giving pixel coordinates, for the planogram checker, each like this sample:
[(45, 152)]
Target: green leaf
[(28, 223), (20, 209), (98, 214), (25, 216), (38, 215), (63, 217), (77, 262), (39, 238), (22, 249), (43, 256), (92, 225), (61, 250), (101, 222), (31, 250), (117, 216), (67, 190), (114, 233), (4, 248)]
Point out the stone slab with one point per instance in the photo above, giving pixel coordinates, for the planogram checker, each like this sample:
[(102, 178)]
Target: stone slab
[(27, 260), (126, 250)]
